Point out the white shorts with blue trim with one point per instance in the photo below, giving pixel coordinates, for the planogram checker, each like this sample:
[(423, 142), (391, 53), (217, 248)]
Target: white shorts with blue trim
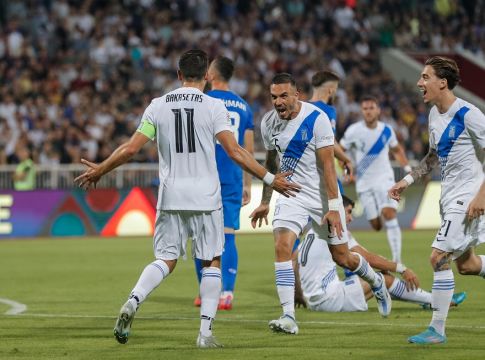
[(457, 234), (373, 201)]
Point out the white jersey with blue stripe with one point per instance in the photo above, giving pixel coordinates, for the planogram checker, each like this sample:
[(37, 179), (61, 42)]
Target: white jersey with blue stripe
[(458, 136), (296, 141), (369, 150)]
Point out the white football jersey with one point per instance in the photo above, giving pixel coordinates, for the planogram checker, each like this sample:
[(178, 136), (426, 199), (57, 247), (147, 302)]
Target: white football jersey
[(318, 271), (369, 151), (296, 141), (186, 122), (458, 136)]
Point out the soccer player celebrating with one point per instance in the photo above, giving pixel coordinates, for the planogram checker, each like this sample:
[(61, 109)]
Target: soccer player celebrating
[(185, 124), (457, 143), (322, 290), (234, 194), (368, 142), (301, 136)]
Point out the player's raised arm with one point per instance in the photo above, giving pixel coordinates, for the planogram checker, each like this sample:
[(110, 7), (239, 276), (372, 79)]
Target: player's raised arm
[(239, 155), (120, 156), (424, 168)]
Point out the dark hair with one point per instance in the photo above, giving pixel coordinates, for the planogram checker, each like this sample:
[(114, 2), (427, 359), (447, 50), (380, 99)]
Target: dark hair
[(225, 67), (445, 68), (369, 98), (347, 201), (321, 77), (193, 64), (283, 78)]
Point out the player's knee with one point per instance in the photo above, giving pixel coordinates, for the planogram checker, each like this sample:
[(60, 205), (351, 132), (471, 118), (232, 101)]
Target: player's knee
[(388, 214), (346, 260), (440, 261)]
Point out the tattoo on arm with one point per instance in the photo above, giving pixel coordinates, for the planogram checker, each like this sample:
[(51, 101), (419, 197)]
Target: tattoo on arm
[(272, 166), (426, 165), (443, 263)]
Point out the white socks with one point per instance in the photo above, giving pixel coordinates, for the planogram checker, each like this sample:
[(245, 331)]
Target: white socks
[(482, 272), (394, 238), (210, 290), (443, 286), (399, 291), (366, 272), (285, 285), (150, 278)]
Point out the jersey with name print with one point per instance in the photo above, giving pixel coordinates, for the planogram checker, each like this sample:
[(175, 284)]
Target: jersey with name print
[(186, 122), (369, 150), (458, 136), (241, 120), (296, 142)]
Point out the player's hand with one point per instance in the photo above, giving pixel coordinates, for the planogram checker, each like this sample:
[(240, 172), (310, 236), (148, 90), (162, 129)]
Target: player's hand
[(476, 208), (411, 280), (260, 213), (90, 177), (246, 199), (332, 218), (348, 172), (299, 299), (283, 186), (397, 189)]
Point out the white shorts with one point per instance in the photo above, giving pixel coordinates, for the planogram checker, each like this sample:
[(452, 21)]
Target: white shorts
[(173, 228), (373, 201), (343, 296), (457, 235), (295, 217)]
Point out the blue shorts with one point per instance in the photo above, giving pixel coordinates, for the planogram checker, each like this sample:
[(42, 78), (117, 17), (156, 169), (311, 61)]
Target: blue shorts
[(231, 204)]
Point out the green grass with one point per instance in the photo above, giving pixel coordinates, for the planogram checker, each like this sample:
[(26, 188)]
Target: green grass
[(74, 287)]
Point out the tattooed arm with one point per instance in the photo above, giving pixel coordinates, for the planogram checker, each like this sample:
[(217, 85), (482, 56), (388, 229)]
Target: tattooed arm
[(261, 212), (423, 169), (426, 165)]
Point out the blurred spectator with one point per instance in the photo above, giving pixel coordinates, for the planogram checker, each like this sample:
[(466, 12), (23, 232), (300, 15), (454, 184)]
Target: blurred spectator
[(75, 75), (24, 176)]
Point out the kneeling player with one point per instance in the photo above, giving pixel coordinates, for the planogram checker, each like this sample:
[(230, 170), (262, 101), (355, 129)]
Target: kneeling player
[(322, 290)]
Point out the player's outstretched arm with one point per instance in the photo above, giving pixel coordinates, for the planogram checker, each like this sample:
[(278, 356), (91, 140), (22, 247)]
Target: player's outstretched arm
[(261, 212), (249, 147), (325, 157), (347, 163), (423, 169), (120, 156), (400, 156), (381, 263), (278, 182)]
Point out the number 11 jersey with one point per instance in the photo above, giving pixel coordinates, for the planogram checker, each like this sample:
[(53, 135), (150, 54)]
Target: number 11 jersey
[(185, 122)]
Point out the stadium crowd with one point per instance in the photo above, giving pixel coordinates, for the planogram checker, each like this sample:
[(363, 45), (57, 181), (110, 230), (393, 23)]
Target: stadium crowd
[(75, 75)]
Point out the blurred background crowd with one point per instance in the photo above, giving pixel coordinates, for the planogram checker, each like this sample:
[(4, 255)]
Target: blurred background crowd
[(76, 75)]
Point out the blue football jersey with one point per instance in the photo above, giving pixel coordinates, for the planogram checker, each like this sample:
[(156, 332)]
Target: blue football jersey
[(241, 120), (329, 110)]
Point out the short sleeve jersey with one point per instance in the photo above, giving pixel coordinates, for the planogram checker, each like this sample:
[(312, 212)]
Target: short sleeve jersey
[(296, 142), (330, 111), (458, 136), (186, 122), (369, 150), (241, 120)]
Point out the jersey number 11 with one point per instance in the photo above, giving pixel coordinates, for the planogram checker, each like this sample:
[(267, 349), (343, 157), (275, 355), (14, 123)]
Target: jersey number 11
[(179, 131)]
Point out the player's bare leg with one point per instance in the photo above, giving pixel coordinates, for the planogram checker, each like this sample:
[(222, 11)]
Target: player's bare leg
[(376, 223), (471, 264)]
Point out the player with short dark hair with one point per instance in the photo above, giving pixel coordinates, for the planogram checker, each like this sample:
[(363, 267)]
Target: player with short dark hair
[(185, 123)]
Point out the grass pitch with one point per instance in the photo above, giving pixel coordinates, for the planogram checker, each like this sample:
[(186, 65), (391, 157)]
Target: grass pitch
[(73, 289)]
